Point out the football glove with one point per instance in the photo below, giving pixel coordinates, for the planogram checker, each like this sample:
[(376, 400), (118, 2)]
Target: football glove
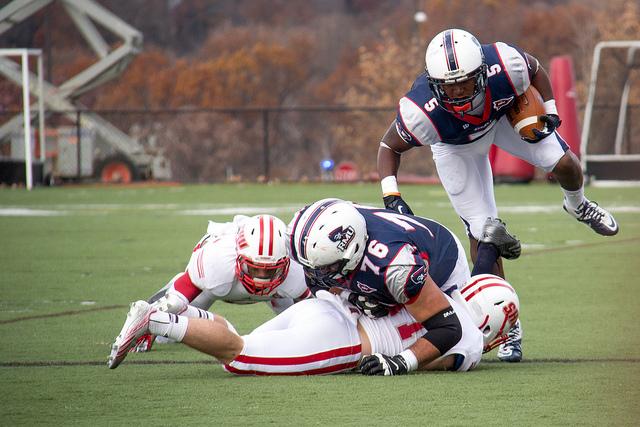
[(395, 203), (316, 282), (551, 123), (143, 344), (369, 306), (381, 364)]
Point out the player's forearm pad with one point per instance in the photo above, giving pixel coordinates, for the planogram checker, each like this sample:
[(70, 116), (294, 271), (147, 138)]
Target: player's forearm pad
[(443, 330)]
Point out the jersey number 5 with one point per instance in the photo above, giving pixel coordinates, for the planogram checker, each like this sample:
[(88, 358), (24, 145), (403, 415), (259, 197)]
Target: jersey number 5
[(431, 104)]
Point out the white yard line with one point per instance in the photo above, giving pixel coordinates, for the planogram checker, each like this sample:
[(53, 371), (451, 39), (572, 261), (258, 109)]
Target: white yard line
[(230, 209), (29, 212)]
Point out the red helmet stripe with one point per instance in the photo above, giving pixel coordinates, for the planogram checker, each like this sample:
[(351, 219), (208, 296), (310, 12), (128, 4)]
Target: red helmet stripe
[(486, 320), (480, 288), (270, 236), (483, 278), (260, 247)]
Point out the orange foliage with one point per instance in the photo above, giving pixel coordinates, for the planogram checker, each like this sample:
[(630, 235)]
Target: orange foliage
[(279, 53)]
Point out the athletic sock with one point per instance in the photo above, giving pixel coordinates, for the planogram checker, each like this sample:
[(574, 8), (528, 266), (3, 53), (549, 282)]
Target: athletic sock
[(574, 198), (486, 258), (168, 325), (198, 313)]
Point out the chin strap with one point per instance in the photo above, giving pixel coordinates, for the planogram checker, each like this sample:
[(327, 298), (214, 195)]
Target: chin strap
[(461, 109)]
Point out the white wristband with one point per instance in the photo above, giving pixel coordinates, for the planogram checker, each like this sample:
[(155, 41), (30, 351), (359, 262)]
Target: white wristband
[(550, 107), (389, 184), (411, 359)]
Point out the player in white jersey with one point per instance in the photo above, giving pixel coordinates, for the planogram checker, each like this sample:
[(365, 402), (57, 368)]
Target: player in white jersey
[(324, 335), (242, 262), (458, 107)]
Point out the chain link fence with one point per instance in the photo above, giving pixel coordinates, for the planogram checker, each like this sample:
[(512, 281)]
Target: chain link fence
[(219, 145), (215, 145)]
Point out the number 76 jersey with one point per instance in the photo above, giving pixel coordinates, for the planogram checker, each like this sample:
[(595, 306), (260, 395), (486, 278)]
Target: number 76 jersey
[(401, 251)]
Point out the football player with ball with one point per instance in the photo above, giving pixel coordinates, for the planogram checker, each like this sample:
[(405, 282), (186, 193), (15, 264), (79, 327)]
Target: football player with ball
[(458, 106)]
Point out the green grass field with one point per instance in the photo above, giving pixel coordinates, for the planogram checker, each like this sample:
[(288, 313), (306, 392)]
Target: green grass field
[(73, 258)]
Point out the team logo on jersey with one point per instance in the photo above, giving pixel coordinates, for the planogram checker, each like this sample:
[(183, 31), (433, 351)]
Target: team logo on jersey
[(418, 276), (403, 133), (343, 236), (501, 103), (365, 288)]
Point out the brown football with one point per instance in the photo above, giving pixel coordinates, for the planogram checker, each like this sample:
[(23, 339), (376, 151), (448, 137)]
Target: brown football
[(524, 114)]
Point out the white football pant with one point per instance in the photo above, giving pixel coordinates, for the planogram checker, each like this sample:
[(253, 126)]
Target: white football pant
[(466, 175), (320, 336)]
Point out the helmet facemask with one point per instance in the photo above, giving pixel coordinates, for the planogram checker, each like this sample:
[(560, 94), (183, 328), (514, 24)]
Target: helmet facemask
[(261, 278), (463, 104), (262, 261)]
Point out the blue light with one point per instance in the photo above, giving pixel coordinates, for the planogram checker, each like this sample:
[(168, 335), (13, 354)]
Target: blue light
[(327, 164)]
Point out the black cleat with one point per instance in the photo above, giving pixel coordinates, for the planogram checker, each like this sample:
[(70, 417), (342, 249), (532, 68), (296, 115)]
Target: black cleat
[(495, 232)]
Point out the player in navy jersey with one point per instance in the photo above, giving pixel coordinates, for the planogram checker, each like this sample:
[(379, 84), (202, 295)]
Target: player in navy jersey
[(457, 107), (382, 258)]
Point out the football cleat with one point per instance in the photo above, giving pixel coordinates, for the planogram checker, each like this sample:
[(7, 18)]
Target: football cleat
[(511, 350), (135, 326), (601, 221), (495, 232)]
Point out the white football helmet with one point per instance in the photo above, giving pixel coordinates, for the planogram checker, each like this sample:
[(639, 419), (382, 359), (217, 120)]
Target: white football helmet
[(262, 261), (455, 56), (494, 307), (329, 237)]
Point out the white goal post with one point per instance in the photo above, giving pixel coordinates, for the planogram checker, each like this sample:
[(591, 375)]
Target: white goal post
[(24, 54), (609, 146)]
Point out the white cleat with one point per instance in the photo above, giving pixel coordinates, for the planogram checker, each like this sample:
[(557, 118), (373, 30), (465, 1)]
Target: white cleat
[(601, 221), (135, 326)]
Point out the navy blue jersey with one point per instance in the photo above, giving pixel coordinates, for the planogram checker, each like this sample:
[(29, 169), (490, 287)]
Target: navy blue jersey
[(421, 121), (401, 251)]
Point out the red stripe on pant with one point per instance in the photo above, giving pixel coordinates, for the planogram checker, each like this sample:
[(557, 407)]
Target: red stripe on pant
[(299, 360), (319, 371)]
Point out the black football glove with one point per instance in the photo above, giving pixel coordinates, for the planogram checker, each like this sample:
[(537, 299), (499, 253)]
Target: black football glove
[(315, 283), (381, 364), (551, 123), (395, 203), (369, 306)]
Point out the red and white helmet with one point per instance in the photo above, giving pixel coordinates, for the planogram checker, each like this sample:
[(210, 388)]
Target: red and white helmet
[(454, 56), (262, 261), (494, 307)]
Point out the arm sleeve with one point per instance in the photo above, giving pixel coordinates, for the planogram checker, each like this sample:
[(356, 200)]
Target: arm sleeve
[(517, 66), (212, 266), (414, 125), (405, 275), (185, 286)]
